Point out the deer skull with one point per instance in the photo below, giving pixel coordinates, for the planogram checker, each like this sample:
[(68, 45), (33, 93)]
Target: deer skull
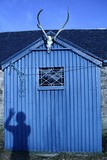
[(49, 43), (50, 39)]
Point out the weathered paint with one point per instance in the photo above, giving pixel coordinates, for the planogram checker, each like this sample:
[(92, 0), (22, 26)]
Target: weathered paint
[(61, 119)]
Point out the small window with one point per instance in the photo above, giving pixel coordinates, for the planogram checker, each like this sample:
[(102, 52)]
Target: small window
[(51, 76)]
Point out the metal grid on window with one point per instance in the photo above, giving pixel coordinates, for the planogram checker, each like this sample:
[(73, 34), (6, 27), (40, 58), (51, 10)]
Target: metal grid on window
[(51, 76)]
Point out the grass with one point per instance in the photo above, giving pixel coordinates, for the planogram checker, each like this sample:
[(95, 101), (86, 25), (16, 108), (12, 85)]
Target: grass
[(7, 155)]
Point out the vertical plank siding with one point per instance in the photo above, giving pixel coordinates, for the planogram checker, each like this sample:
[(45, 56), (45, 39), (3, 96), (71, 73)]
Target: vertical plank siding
[(60, 120)]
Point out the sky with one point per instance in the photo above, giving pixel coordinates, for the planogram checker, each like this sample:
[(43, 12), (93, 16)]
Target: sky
[(21, 15)]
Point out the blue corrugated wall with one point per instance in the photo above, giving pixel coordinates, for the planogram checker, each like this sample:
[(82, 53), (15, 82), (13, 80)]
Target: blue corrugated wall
[(67, 119)]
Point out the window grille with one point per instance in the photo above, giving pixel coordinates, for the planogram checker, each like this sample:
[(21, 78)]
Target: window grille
[(51, 76)]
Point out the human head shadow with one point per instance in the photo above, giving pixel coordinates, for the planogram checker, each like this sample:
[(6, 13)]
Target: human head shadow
[(20, 133)]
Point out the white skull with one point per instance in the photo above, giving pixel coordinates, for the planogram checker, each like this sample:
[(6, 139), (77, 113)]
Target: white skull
[(49, 43)]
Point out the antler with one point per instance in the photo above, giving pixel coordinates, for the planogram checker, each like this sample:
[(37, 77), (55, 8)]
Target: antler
[(39, 25), (63, 25)]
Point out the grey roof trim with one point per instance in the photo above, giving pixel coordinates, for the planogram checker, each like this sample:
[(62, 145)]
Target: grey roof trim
[(105, 63)]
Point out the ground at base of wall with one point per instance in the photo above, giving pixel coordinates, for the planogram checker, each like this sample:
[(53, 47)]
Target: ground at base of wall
[(104, 140), (7, 155), (1, 139)]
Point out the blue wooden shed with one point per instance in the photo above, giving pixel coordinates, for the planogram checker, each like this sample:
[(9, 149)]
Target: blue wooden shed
[(52, 100)]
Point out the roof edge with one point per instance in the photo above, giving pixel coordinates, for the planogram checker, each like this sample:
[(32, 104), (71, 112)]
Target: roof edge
[(80, 51), (80, 48), (17, 54), (104, 62)]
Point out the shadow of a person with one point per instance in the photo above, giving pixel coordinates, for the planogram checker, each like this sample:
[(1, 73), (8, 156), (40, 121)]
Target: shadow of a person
[(20, 132)]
